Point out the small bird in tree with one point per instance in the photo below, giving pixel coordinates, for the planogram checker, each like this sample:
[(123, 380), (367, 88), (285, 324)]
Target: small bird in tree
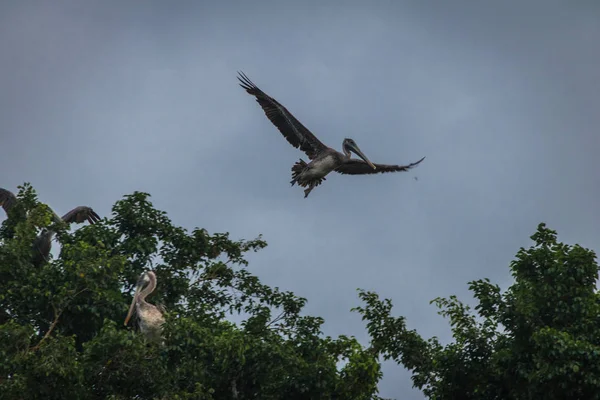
[(43, 242), (149, 316), (324, 159)]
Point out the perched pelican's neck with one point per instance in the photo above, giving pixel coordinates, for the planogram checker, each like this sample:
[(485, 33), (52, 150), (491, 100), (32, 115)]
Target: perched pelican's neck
[(148, 289)]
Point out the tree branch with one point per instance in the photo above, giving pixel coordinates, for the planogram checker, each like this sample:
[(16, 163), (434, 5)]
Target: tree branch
[(57, 315)]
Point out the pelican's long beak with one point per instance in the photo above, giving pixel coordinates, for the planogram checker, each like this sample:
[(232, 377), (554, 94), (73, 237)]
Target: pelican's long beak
[(359, 153), (138, 287)]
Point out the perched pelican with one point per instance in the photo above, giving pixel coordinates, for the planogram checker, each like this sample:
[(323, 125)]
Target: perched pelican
[(43, 243), (149, 316), (324, 159)]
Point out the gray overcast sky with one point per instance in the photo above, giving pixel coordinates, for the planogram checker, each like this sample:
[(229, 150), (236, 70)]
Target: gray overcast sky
[(102, 98)]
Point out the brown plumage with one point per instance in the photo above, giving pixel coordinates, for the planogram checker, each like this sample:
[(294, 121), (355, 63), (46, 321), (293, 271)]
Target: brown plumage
[(7, 199), (324, 159), (81, 214), (359, 167), (295, 133), (43, 242)]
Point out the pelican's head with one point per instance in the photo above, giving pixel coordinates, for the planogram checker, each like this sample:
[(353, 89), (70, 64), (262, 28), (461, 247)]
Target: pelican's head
[(350, 145), (144, 280)]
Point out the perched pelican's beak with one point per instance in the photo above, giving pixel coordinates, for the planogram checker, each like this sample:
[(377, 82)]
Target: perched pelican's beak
[(138, 288), (359, 153)]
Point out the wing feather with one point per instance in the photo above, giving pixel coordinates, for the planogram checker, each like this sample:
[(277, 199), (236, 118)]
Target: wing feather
[(295, 133), (81, 214), (359, 167), (7, 199)]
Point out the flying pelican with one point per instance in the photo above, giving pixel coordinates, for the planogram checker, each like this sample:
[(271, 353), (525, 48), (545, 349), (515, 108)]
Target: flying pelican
[(149, 316), (324, 159), (43, 242)]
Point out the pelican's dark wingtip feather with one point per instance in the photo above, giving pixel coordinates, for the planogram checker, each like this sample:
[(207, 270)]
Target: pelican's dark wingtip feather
[(408, 166), (245, 78), (418, 162), (414, 164), (93, 217), (246, 83)]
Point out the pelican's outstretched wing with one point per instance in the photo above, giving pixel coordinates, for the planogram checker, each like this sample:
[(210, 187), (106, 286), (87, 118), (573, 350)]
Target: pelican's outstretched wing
[(81, 214), (295, 133), (359, 167), (7, 199), (43, 243)]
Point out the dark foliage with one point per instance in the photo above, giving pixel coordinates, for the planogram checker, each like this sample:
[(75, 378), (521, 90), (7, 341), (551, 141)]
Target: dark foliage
[(540, 339), (62, 333)]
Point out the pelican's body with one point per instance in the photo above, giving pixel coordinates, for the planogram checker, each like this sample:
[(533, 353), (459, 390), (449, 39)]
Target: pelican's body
[(150, 320), (149, 316), (320, 166), (324, 159), (43, 242), (311, 174)]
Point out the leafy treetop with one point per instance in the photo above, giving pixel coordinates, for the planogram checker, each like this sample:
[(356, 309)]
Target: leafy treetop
[(62, 333), (537, 340)]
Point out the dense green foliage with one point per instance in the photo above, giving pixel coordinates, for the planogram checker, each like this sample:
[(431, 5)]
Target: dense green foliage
[(62, 333), (540, 339)]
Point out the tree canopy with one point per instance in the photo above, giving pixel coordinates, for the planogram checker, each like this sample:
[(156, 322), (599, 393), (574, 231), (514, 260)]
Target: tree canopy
[(62, 334), (61, 324), (539, 339)]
